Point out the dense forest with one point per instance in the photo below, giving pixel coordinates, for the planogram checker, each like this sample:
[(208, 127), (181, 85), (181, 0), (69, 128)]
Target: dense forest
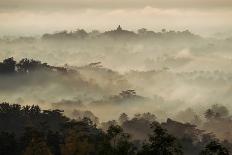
[(28, 129)]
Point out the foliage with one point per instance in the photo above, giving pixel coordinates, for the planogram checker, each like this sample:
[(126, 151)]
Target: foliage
[(9, 66), (214, 148), (161, 143), (29, 130)]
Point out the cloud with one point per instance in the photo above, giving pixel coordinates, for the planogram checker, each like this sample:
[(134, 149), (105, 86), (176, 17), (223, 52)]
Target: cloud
[(33, 16), (78, 4), (27, 22)]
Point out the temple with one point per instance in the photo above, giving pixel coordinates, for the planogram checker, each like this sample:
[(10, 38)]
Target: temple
[(119, 28), (120, 33)]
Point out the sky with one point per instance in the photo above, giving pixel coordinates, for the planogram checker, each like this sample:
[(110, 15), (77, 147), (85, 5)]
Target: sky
[(34, 17)]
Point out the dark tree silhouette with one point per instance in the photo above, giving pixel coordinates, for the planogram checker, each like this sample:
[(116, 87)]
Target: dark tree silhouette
[(31, 130), (128, 93), (161, 143), (123, 118), (53, 140), (8, 144), (216, 112), (119, 141), (8, 66), (214, 148)]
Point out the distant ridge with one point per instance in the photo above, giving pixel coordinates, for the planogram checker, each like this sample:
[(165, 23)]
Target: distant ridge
[(120, 33)]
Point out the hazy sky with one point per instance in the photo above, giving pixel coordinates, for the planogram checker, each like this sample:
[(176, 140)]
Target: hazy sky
[(39, 16)]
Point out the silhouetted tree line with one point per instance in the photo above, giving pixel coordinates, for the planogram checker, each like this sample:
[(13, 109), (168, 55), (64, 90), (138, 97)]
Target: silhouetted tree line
[(28, 130), (119, 33), (78, 34), (9, 66)]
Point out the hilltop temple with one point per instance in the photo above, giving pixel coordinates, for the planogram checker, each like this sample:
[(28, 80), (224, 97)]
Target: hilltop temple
[(119, 32), (119, 28)]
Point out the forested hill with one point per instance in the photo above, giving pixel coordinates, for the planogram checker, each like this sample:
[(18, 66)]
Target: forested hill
[(120, 33), (30, 130), (93, 110)]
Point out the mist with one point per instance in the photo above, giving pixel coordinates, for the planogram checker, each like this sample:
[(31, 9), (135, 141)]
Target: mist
[(140, 67), (170, 71)]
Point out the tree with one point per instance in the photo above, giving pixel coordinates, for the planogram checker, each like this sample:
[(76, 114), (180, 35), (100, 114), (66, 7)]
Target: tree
[(23, 65), (214, 148), (119, 141), (8, 65), (220, 111), (216, 111), (113, 132), (53, 140), (75, 144), (161, 143), (26, 65), (37, 147), (33, 143), (8, 144), (123, 118), (164, 30), (209, 114), (149, 116), (80, 33), (128, 93), (80, 115), (80, 138)]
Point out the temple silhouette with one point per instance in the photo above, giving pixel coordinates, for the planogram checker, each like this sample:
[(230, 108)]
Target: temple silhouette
[(120, 33), (119, 28)]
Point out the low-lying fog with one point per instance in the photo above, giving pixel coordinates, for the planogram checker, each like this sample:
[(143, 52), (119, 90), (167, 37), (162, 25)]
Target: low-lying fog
[(165, 73)]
